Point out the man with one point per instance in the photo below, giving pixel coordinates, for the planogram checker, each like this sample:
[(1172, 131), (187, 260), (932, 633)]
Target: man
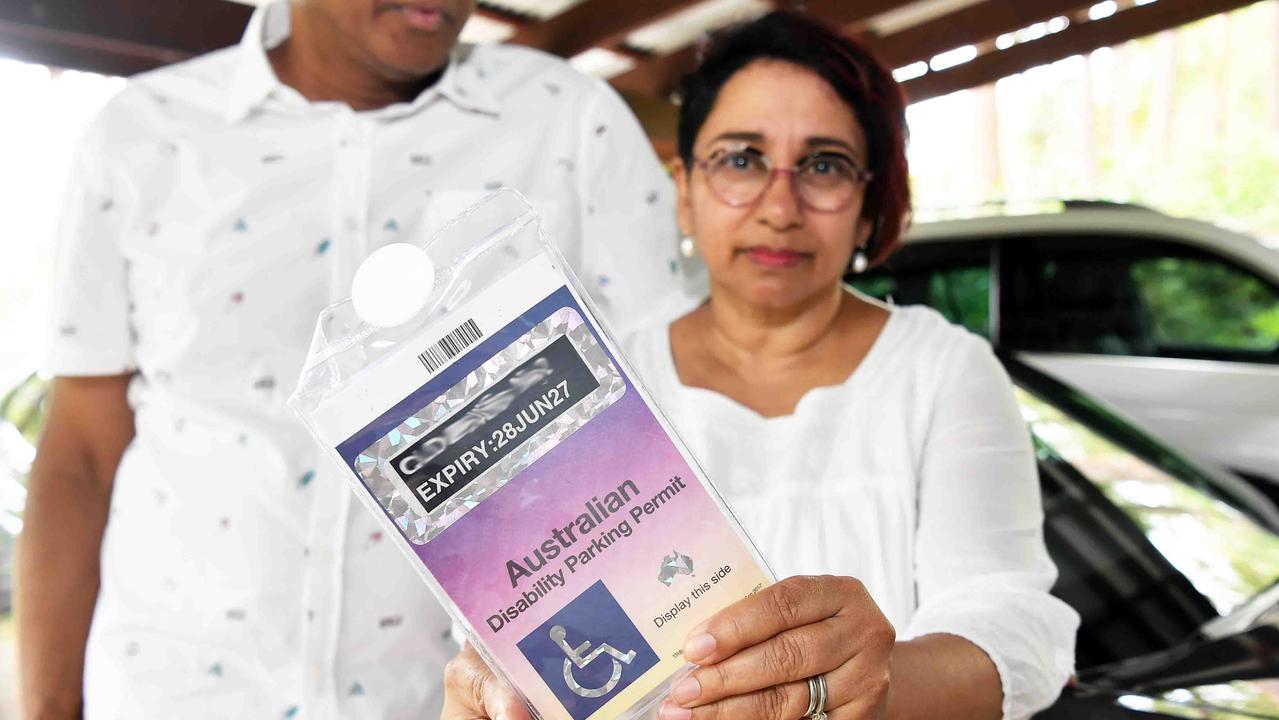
[(216, 207)]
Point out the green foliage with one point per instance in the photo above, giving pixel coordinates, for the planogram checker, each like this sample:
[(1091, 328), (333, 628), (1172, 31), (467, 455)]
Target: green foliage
[(880, 286), (1267, 322), (962, 295), (24, 407), (1186, 122), (1196, 303)]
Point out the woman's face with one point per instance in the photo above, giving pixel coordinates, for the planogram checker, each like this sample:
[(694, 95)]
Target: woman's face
[(775, 252)]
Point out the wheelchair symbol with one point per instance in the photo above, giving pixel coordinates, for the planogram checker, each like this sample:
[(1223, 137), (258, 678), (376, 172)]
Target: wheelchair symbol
[(576, 657)]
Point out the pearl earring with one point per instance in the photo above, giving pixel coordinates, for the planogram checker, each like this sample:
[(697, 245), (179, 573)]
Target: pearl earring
[(860, 262), (687, 246)]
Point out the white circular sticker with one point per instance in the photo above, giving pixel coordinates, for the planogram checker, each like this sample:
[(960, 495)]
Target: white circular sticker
[(392, 285)]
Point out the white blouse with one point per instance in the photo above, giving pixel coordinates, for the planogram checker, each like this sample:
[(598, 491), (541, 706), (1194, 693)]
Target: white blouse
[(916, 475)]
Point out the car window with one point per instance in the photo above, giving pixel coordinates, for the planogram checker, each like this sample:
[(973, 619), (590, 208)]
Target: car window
[(1201, 304), (951, 277), (1134, 297)]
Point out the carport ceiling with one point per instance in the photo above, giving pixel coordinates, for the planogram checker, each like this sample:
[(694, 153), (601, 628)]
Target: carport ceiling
[(641, 46)]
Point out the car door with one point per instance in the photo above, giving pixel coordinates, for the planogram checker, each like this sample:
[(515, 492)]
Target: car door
[(1183, 340)]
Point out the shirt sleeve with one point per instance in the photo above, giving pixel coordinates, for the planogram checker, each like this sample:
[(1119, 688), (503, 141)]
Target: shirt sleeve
[(629, 234), (89, 333), (982, 570)]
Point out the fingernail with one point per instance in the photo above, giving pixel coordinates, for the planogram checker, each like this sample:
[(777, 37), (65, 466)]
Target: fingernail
[(699, 646), (686, 691), (671, 711)]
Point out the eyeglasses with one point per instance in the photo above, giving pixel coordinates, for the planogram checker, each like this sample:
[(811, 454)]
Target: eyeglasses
[(823, 182)]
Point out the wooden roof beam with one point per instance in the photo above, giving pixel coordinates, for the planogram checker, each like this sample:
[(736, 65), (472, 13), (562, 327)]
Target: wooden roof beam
[(658, 76), (122, 37), (502, 15), (968, 26), (80, 51), (594, 23), (1126, 25), (840, 13)]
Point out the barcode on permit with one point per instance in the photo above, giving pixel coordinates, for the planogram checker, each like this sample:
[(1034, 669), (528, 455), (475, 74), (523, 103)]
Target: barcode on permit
[(450, 345)]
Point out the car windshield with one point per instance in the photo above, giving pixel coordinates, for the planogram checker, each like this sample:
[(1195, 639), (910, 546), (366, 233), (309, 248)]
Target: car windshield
[(1225, 554)]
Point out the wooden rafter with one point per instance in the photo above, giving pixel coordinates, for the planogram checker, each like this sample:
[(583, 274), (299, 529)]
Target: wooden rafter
[(127, 36), (846, 12), (502, 15), (594, 23), (970, 25), (124, 37), (658, 75), (1127, 25)]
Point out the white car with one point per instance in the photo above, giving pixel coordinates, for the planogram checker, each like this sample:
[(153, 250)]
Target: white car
[(1174, 322)]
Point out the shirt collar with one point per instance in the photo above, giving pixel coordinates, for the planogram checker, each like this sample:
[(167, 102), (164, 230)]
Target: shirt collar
[(253, 79), (464, 83)]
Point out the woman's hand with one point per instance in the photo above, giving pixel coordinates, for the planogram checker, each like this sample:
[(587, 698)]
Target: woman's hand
[(473, 692), (755, 656)]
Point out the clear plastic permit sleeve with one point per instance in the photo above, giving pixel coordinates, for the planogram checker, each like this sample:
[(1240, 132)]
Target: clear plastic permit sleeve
[(525, 472)]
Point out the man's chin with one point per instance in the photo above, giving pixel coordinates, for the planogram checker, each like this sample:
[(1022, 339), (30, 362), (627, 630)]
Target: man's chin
[(410, 55), (410, 67)]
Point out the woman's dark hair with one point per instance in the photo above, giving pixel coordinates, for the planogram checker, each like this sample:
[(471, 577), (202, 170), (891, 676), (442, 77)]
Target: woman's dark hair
[(857, 76)]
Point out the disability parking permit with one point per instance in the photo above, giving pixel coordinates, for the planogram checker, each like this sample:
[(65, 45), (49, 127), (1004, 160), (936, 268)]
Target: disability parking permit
[(533, 483)]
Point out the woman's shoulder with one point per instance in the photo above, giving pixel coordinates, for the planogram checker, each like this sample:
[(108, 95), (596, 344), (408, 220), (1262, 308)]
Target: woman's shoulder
[(920, 326), (935, 346)]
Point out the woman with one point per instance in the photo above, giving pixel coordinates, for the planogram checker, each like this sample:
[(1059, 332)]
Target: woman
[(875, 454)]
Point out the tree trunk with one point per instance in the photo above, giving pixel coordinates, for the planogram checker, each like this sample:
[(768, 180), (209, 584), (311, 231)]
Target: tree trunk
[(1163, 88), (1272, 77), (988, 167), (1227, 78), (1088, 129), (1122, 103)]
